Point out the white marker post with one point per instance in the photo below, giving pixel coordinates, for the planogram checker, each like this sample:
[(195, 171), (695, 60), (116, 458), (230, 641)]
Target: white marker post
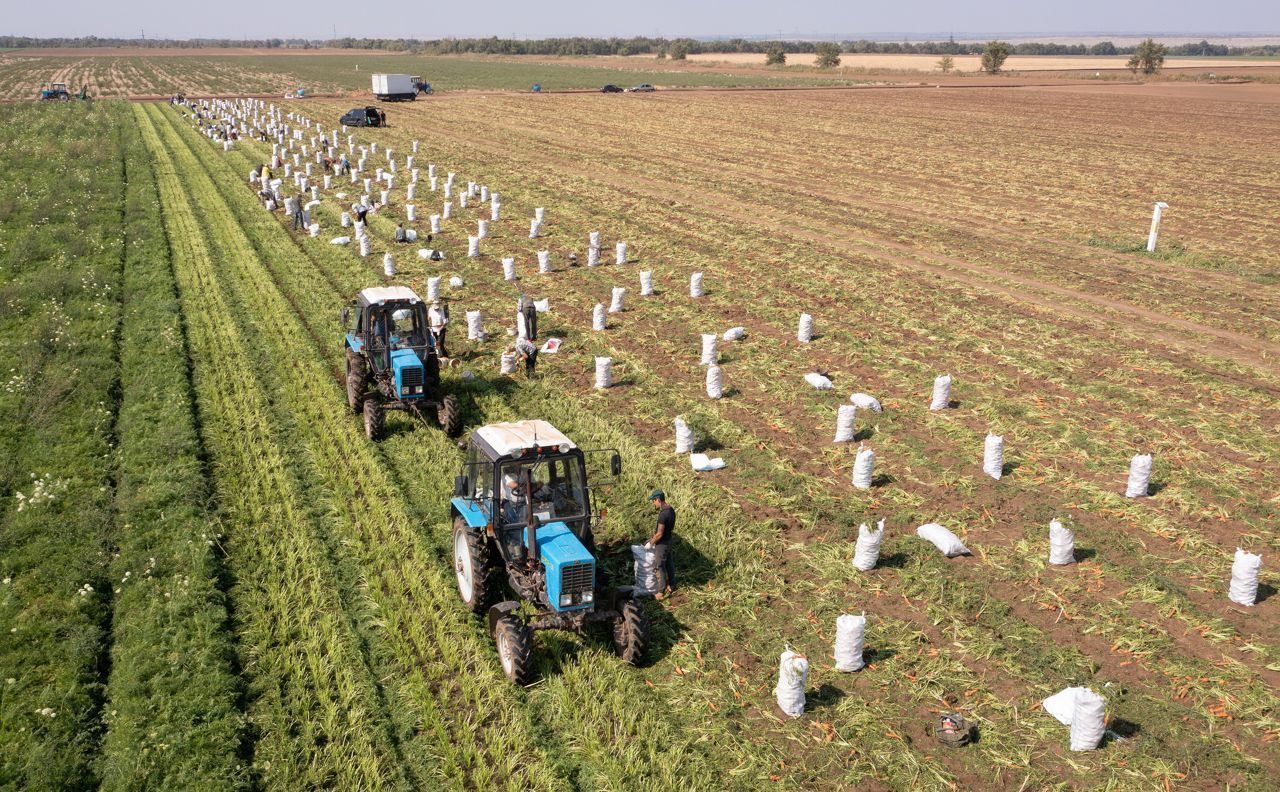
[(1155, 225)]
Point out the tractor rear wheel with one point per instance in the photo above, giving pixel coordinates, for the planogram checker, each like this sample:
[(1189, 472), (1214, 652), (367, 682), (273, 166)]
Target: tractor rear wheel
[(631, 631), (470, 565), (375, 419), (357, 379), (450, 415), (515, 649)]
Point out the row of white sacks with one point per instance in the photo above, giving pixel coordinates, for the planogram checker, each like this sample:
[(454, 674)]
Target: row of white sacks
[(1079, 708)]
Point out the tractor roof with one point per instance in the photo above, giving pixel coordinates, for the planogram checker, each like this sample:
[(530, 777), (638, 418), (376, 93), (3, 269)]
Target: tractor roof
[(385, 294), (518, 436)]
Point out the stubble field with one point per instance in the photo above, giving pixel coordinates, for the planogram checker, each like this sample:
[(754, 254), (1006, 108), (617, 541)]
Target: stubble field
[(298, 577)]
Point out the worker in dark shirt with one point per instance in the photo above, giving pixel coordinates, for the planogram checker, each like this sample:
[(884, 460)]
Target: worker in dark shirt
[(661, 542)]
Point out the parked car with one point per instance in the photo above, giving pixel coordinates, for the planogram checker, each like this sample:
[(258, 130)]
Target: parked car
[(642, 88), (365, 117), (611, 88)]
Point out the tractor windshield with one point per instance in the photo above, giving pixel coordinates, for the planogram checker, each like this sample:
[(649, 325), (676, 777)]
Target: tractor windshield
[(557, 487), (398, 327)]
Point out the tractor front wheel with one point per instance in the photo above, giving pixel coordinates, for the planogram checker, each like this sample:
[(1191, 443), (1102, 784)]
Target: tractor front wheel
[(631, 632), (450, 415), (357, 378), (515, 649), (470, 565), (375, 419)]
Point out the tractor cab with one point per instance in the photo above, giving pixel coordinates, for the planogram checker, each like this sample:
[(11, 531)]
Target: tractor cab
[(522, 506), (392, 358), (56, 92)]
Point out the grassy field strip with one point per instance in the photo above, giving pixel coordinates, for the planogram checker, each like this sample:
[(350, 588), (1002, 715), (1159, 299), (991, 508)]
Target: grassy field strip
[(439, 652), (172, 711), (59, 376), (592, 685), (313, 703)]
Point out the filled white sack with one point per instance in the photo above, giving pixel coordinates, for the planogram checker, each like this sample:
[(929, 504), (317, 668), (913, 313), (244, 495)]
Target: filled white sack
[(1062, 544), (646, 569), (845, 415), (684, 437), (1244, 578), (947, 543), (734, 334), (866, 402), (1139, 476), (1088, 720), (818, 381), (993, 456), (866, 553), (941, 393), (342, 240), (793, 675), (850, 630)]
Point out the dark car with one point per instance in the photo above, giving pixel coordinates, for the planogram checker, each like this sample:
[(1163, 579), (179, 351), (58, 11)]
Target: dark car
[(641, 88), (365, 117), (611, 88)]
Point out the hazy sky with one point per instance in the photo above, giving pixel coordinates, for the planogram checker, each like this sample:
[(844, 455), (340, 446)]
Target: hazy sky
[(256, 19)]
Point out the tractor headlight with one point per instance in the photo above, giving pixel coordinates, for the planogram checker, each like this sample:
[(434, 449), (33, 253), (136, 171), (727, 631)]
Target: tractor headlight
[(566, 600), (588, 596)]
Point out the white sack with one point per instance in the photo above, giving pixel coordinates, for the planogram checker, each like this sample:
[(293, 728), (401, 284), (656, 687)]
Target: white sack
[(993, 456), (534, 228), (715, 387), (818, 381), (850, 630), (388, 265), (793, 675), (620, 251), (597, 317), (1244, 578), (433, 288), (346, 220), (455, 282), (593, 239), (947, 543), (617, 302), (941, 393), (366, 247), (543, 305), (862, 467), (508, 268), (866, 552), (473, 247), (411, 212), (508, 364), (734, 334), (1062, 544), (646, 569), (703, 463), (475, 330), (435, 223), (710, 354), (342, 240), (804, 333), (593, 257), (1139, 476), (866, 402), (544, 261), (695, 284), (646, 283), (604, 372), (684, 437), (1088, 720), (844, 423)]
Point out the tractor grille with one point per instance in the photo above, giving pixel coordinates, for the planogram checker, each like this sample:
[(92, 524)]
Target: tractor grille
[(411, 377), (577, 578)]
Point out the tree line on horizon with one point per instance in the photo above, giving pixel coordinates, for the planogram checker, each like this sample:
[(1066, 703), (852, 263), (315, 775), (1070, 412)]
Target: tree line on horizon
[(676, 49)]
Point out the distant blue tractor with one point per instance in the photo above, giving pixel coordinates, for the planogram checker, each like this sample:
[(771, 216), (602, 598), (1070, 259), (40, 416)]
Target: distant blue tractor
[(55, 92), (393, 361), (522, 506)]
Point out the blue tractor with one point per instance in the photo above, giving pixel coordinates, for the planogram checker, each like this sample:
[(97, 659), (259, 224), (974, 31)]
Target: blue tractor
[(55, 92), (522, 511), (393, 360)]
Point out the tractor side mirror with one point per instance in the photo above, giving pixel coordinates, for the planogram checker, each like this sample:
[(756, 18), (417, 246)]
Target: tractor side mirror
[(615, 465), (461, 486), (346, 317)]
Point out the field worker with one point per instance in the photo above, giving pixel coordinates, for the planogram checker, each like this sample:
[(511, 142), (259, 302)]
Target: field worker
[(298, 220), (438, 318), (663, 559), (526, 319), (512, 502), (401, 237), (361, 211), (526, 351)]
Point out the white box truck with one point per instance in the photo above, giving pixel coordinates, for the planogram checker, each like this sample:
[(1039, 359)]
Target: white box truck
[(398, 87)]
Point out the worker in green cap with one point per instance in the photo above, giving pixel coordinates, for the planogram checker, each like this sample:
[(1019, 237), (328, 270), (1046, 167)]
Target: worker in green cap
[(663, 559)]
